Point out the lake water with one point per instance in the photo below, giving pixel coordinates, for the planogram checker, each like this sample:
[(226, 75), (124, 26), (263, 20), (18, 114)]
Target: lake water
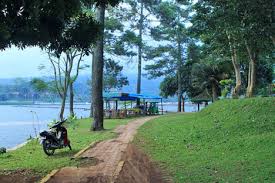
[(19, 122)]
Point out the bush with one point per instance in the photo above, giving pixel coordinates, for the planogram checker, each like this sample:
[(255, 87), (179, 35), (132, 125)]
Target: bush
[(3, 150)]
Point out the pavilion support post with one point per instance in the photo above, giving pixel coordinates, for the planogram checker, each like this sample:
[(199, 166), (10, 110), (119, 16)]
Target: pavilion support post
[(144, 108), (161, 106), (116, 105), (125, 107)]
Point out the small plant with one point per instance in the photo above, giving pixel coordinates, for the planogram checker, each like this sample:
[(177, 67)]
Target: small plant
[(30, 137), (71, 121), (226, 87), (3, 150), (53, 122)]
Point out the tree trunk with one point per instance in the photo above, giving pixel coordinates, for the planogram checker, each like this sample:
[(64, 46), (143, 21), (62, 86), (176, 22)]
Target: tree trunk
[(91, 110), (273, 40), (251, 78), (183, 107), (97, 79), (236, 65), (141, 19), (62, 109), (179, 102), (91, 89), (237, 89), (251, 71), (198, 106), (237, 70), (71, 88), (214, 93), (179, 65)]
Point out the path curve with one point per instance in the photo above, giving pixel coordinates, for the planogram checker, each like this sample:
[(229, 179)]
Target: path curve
[(109, 155)]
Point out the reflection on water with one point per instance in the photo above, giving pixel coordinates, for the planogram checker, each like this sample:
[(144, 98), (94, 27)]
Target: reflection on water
[(17, 123)]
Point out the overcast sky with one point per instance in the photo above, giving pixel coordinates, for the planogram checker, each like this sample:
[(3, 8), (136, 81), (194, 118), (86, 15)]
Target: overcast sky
[(25, 63)]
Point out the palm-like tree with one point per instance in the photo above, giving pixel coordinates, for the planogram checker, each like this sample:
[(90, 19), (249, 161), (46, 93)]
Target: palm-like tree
[(207, 74)]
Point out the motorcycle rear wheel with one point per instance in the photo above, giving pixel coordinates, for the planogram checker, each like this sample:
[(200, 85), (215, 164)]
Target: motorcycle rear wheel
[(46, 147)]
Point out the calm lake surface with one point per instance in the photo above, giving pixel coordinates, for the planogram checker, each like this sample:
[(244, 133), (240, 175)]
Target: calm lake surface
[(19, 122)]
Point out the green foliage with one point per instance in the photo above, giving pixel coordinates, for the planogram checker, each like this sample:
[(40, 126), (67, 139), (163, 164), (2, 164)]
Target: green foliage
[(219, 144), (244, 26), (113, 78), (39, 85), (170, 53), (168, 86), (57, 25), (136, 25), (106, 2), (226, 85), (3, 150), (226, 82), (207, 72), (32, 157)]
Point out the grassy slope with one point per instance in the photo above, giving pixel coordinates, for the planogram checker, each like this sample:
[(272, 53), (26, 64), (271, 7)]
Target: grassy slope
[(32, 156), (229, 141)]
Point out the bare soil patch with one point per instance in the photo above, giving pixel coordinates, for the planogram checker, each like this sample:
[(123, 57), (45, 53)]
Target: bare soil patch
[(139, 168), (117, 161), (19, 176)]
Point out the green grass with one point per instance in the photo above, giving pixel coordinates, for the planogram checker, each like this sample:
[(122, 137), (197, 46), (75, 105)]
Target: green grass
[(229, 141), (32, 157)]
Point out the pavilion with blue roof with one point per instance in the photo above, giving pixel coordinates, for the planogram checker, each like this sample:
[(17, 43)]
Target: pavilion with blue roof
[(131, 97)]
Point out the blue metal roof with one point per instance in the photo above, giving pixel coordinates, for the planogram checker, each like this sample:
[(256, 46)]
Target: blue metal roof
[(128, 96)]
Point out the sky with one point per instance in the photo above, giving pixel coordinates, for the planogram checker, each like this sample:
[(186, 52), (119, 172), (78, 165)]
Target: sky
[(21, 63), (24, 63)]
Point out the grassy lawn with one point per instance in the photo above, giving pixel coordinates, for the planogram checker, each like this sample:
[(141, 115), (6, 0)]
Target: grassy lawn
[(32, 157), (229, 141)]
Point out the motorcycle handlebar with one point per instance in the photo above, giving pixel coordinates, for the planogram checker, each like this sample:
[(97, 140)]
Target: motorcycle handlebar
[(59, 123)]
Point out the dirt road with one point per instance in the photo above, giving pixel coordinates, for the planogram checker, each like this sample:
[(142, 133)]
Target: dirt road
[(116, 160)]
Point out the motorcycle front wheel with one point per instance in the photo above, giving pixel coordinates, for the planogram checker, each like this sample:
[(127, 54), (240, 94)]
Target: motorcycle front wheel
[(46, 147)]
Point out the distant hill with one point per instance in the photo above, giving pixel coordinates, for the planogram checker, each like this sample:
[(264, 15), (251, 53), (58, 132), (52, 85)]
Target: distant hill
[(82, 87), (147, 86)]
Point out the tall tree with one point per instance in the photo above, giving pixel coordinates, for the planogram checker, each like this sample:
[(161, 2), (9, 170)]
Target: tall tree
[(169, 56), (207, 74), (113, 37), (217, 25), (255, 17), (139, 18), (76, 63), (97, 67), (242, 27), (63, 68)]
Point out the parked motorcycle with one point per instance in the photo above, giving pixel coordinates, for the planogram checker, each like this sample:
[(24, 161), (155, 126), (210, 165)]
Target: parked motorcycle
[(55, 138)]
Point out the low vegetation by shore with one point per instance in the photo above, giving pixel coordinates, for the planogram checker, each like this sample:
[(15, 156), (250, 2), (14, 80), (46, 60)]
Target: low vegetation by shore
[(32, 158), (229, 141)]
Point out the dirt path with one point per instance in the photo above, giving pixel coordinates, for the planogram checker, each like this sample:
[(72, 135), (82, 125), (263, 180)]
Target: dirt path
[(116, 161)]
